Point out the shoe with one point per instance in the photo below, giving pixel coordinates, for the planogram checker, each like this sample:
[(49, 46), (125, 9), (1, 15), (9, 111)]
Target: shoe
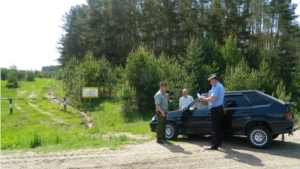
[(218, 145), (211, 148), (211, 144), (162, 141)]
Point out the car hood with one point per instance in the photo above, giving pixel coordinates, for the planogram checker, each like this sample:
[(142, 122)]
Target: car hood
[(175, 113)]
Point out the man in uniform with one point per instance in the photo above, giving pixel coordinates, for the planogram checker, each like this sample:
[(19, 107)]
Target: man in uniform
[(161, 104), (215, 104)]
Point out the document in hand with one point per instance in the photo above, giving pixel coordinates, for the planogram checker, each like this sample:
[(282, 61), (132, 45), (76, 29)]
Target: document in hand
[(199, 96)]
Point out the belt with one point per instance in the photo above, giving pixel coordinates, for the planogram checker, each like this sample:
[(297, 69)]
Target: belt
[(217, 107), (163, 110)]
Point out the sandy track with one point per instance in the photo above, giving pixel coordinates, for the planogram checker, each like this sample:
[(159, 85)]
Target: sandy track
[(183, 153)]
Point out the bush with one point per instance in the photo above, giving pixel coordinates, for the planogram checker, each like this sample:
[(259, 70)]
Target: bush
[(126, 94), (241, 77), (202, 59), (12, 79), (4, 73), (36, 141), (280, 92), (143, 77), (89, 72)]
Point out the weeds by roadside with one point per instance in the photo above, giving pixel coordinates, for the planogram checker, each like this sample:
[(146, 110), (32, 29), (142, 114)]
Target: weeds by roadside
[(43, 126)]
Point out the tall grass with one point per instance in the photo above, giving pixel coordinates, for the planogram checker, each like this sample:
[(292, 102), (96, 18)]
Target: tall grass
[(43, 126)]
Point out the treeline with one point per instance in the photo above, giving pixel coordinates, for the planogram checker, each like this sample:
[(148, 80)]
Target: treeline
[(50, 71), (137, 82), (251, 44), (13, 76)]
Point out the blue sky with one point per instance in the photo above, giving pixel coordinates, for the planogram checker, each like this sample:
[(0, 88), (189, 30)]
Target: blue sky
[(30, 31)]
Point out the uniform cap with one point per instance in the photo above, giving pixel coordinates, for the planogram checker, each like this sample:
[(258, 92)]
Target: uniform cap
[(163, 84), (209, 77)]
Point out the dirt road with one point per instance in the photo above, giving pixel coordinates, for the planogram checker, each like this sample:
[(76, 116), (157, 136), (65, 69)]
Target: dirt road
[(183, 153)]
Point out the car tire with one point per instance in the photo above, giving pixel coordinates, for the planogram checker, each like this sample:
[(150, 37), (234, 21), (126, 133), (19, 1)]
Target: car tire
[(274, 136), (171, 131), (259, 137)]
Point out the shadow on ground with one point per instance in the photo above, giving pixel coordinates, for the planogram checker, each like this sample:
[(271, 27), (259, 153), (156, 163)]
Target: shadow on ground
[(233, 145), (176, 148)]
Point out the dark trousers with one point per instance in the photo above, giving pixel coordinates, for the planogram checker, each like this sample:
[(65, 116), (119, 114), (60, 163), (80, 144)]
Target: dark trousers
[(161, 127), (216, 117)]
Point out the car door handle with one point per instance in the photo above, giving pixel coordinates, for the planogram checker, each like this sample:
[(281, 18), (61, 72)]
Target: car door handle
[(245, 111)]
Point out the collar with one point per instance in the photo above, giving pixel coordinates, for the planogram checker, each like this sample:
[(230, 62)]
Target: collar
[(161, 92), (215, 84)]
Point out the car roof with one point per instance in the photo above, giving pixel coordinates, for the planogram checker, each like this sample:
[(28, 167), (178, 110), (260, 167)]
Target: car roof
[(242, 91)]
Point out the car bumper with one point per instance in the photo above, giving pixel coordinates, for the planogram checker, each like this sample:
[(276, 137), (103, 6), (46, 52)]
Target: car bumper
[(153, 126), (285, 127)]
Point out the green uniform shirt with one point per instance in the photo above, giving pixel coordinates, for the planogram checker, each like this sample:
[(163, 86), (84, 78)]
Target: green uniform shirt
[(161, 99)]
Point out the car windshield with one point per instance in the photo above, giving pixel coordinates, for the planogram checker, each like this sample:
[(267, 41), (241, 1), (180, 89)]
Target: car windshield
[(199, 105)]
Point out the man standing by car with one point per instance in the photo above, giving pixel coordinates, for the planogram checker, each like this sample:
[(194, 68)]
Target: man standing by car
[(161, 103), (185, 100), (215, 104)]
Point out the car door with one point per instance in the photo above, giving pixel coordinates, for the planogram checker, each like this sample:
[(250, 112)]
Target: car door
[(199, 122), (237, 112)]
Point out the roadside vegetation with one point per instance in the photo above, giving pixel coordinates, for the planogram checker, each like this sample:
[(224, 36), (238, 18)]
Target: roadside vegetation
[(127, 58), (43, 125)]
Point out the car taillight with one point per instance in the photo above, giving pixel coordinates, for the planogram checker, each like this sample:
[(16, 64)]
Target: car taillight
[(293, 116), (288, 116)]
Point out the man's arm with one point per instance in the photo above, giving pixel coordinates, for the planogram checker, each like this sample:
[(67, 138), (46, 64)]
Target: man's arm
[(213, 96), (210, 99), (160, 110), (179, 103)]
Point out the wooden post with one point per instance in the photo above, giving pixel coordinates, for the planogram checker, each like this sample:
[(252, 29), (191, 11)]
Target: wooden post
[(65, 104), (10, 107), (90, 104)]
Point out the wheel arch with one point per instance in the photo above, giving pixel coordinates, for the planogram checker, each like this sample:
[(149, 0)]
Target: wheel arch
[(257, 122)]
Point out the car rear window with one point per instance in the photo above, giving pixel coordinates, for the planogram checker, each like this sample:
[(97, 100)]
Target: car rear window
[(255, 100), (235, 101)]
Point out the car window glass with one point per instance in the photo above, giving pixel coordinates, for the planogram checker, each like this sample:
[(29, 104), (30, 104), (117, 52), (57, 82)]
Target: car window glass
[(235, 101), (255, 100)]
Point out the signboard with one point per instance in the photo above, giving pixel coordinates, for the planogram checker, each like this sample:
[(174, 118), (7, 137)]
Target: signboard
[(90, 92)]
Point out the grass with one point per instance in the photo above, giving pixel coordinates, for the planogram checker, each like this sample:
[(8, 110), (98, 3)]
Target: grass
[(43, 126)]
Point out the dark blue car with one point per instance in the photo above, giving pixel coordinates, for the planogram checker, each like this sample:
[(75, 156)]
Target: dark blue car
[(252, 113)]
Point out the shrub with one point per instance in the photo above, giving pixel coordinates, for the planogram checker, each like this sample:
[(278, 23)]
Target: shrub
[(12, 79), (36, 141)]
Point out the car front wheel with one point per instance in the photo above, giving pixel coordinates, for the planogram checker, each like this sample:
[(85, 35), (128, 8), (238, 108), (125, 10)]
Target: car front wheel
[(259, 137), (171, 131)]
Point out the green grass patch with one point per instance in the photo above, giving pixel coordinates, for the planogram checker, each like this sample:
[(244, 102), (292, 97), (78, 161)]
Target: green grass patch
[(41, 125)]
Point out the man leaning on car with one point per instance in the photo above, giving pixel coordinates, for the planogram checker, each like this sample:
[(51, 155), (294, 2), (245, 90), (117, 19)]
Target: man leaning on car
[(215, 104), (162, 112)]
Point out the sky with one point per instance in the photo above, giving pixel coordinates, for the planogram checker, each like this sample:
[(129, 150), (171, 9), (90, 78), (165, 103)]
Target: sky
[(30, 30)]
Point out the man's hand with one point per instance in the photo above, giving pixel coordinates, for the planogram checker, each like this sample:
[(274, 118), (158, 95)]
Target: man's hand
[(163, 114)]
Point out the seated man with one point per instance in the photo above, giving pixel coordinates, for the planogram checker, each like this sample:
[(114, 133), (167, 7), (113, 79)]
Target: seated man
[(185, 100)]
